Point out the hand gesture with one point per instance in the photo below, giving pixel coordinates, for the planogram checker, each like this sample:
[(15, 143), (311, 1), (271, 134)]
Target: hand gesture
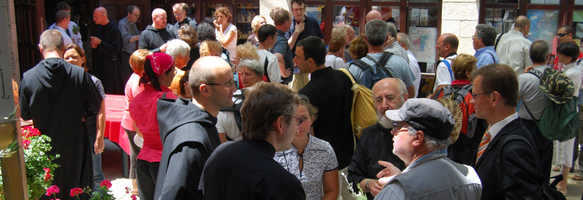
[(300, 27), (390, 169)]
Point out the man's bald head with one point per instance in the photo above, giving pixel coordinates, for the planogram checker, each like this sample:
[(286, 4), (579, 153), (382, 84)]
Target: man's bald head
[(100, 16), (373, 14), (157, 12), (522, 24), (205, 70)]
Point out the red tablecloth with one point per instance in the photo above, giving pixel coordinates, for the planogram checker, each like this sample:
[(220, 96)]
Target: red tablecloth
[(114, 108)]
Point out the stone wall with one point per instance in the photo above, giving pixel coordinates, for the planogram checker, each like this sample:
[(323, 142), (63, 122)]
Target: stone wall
[(460, 17)]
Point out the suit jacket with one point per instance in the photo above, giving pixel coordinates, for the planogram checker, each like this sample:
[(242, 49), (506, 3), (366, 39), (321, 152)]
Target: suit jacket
[(521, 177)]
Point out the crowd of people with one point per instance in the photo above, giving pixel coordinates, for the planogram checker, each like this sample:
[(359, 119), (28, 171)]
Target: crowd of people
[(272, 118)]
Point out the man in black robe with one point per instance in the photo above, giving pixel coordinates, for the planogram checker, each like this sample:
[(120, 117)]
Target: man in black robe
[(106, 47), (57, 95), (155, 36)]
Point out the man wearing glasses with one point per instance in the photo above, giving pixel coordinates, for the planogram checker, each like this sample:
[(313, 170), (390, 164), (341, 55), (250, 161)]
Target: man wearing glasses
[(246, 169), (483, 41), (129, 38), (188, 128), (180, 11), (508, 169), (376, 142), (421, 132), (564, 34)]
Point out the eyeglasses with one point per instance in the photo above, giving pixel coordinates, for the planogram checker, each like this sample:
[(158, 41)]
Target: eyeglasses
[(561, 34), (229, 84), (300, 120), (475, 95), (136, 15), (178, 14), (389, 98), (298, 10)]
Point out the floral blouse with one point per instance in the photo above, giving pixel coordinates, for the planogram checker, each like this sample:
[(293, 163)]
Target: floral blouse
[(318, 157)]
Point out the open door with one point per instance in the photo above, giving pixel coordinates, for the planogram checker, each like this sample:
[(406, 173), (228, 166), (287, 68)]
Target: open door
[(30, 23)]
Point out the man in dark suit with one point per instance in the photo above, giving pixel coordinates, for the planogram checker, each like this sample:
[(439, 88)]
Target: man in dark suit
[(495, 99)]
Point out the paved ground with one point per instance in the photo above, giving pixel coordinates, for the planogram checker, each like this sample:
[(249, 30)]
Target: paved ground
[(112, 169)]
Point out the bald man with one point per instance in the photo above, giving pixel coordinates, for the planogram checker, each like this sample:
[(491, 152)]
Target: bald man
[(446, 47), (373, 14), (107, 45), (155, 36), (513, 47), (188, 128)]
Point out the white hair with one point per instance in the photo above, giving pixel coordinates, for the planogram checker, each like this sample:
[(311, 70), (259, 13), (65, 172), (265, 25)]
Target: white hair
[(177, 47)]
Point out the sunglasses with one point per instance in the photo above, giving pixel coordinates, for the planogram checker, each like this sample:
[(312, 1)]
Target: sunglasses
[(561, 34)]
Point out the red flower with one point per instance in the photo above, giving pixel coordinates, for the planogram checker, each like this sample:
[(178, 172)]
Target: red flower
[(76, 191), (25, 143), (105, 183), (134, 197), (30, 131), (52, 190), (48, 175)]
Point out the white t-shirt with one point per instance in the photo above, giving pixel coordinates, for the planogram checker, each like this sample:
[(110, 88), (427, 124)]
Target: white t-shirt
[(226, 124), (443, 75), (334, 62), (272, 66), (233, 44), (414, 65)]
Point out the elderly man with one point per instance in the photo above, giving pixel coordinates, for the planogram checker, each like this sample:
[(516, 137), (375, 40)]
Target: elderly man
[(483, 41), (446, 46), (180, 11), (512, 47), (62, 22), (155, 36), (376, 142), (72, 29), (130, 36), (495, 96), (404, 41), (180, 52), (421, 136), (50, 96), (187, 128), (106, 46), (373, 14), (376, 32), (245, 169), (392, 45), (348, 33)]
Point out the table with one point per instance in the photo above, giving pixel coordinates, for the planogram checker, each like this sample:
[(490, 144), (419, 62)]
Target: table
[(114, 109)]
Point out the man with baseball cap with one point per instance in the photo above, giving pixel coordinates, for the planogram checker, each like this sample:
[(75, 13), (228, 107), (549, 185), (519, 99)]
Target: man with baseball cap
[(421, 135)]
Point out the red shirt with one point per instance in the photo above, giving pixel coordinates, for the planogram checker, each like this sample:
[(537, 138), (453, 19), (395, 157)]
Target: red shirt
[(143, 110)]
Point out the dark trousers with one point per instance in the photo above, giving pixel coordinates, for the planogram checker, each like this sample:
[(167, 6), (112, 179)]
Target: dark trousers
[(134, 151), (544, 146), (125, 71), (147, 175), (98, 177)]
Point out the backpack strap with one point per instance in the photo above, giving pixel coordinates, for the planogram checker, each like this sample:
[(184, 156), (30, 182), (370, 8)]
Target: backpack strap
[(498, 40), (361, 64), (499, 167), (448, 68), (538, 74), (382, 62), (265, 68), (579, 61), (493, 58)]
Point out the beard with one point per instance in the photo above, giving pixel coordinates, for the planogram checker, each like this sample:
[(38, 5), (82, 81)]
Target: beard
[(384, 121)]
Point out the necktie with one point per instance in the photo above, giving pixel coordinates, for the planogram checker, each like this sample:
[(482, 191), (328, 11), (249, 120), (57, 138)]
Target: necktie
[(68, 33), (483, 144)]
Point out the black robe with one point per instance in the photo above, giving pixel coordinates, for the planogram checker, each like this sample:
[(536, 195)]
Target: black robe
[(57, 95), (106, 61)]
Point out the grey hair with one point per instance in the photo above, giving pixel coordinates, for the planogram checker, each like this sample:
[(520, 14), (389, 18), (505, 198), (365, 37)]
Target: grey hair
[(487, 33), (254, 65), (431, 142), (376, 32), (177, 47), (404, 38), (392, 29)]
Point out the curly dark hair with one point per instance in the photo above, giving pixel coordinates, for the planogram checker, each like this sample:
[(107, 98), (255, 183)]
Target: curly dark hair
[(206, 31)]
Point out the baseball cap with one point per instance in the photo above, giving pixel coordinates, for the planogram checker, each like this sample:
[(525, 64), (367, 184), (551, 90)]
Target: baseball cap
[(426, 115)]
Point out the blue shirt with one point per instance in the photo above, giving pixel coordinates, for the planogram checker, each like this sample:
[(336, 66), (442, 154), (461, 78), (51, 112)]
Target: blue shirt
[(486, 56)]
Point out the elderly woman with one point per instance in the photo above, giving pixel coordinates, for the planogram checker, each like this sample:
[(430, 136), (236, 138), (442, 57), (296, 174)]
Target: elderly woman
[(157, 77), (310, 159), (246, 51), (335, 55), (228, 127), (257, 22), (188, 34), (95, 124), (180, 52), (225, 31)]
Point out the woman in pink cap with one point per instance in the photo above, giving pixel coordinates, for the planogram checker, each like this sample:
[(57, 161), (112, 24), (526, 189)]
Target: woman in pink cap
[(158, 74)]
